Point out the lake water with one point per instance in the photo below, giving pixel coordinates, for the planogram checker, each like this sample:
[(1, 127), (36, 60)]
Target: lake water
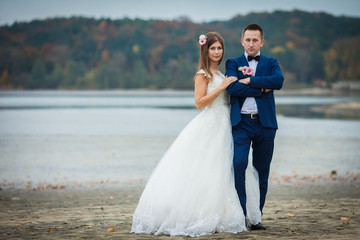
[(91, 137)]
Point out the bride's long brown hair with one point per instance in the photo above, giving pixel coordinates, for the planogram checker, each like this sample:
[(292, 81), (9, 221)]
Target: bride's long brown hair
[(204, 61)]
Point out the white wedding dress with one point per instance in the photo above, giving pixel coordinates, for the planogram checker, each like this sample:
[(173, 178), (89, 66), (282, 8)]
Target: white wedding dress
[(191, 192)]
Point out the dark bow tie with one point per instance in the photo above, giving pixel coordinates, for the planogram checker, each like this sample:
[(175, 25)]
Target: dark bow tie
[(256, 58)]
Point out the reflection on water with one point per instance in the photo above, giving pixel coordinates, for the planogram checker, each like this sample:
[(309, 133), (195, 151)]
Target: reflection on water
[(48, 137)]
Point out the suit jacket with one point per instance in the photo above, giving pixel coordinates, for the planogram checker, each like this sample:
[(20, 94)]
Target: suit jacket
[(268, 76)]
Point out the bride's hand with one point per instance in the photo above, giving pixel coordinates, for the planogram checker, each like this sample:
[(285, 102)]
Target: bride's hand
[(227, 81)]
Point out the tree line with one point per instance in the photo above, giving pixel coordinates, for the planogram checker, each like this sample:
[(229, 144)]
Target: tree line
[(86, 53)]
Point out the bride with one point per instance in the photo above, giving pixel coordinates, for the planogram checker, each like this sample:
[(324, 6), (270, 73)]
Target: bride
[(191, 192)]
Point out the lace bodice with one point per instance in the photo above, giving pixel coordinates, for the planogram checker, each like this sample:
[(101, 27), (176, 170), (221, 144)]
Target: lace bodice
[(223, 98)]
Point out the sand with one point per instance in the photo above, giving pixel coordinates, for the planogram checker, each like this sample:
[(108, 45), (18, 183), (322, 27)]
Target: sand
[(303, 211)]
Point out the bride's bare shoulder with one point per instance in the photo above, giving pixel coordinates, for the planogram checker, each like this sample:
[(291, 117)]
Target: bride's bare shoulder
[(201, 76)]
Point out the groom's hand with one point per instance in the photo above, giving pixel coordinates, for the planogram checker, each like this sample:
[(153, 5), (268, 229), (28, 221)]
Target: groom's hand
[(245, 81), (266, 90)]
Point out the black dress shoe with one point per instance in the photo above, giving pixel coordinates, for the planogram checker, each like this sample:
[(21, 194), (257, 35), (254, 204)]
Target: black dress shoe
[(258, 226)]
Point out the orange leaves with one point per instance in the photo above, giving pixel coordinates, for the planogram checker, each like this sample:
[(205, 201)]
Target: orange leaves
[(332, 176), (290, 215), (345, 220), (112, 229)]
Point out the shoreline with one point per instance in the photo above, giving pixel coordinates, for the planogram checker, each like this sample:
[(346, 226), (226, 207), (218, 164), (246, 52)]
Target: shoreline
[(306, 211), (346, 109), (295, 179), (314, 91)]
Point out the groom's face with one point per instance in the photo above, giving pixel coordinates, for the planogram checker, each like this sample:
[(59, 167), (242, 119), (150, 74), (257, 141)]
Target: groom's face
[(252, 42)]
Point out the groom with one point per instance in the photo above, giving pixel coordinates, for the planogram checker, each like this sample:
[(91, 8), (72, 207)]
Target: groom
[(253, 116)]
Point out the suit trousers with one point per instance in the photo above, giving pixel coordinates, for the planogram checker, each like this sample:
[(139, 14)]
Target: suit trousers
[(262, 138)]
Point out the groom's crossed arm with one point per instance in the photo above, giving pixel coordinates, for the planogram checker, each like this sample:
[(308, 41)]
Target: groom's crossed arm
[(237, 88), (273, 81)]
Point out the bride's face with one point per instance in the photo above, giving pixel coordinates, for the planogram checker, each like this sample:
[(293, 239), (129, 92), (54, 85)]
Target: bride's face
[(215, 52)]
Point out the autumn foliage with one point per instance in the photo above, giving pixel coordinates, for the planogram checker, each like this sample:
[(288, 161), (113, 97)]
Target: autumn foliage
[(85, 53)]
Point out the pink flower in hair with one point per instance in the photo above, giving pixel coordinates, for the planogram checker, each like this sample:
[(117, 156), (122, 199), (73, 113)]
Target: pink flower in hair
[(202, 40), (246, 70)]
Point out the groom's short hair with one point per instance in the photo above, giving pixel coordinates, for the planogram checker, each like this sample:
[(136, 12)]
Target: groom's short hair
[(254, 26)]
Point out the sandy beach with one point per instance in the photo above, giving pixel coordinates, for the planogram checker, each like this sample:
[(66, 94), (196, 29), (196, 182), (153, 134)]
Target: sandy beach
[(302, 211)]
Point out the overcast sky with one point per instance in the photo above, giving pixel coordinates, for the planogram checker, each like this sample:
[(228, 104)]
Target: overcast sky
[(196, 10)]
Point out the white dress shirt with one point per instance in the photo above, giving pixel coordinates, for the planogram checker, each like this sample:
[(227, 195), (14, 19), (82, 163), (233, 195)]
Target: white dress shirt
[(249, 105)]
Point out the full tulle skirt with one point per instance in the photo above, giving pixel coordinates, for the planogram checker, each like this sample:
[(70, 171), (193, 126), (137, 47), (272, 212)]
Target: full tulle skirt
[(191, 192)]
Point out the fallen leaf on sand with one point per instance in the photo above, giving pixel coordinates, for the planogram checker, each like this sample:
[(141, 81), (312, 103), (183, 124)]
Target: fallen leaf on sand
[(290, 215), (344, 218), (110, 229), (346, 223), (50, 230)]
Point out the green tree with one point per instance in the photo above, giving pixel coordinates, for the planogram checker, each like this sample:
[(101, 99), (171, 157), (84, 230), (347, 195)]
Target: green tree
[(303, 65), (72, 72), (109, 77), (4, 79), (140, 77), (342, 60), (38, 74), (56, 77)]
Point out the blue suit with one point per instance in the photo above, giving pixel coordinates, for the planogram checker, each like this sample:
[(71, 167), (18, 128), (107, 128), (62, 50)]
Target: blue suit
[(260, 131)]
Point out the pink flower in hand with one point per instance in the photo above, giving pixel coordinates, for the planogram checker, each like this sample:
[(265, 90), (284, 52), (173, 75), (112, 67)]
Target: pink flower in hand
[(246, 70)]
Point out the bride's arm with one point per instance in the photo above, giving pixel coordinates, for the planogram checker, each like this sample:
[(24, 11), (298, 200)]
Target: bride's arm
[(201, 99)]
